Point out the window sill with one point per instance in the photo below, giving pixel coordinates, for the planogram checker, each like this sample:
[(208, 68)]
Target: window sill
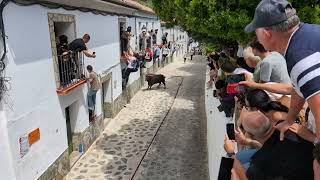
[(66, 91)]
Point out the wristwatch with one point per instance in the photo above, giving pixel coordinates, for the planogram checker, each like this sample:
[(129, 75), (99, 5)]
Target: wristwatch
[(231, 154), (316, 141)]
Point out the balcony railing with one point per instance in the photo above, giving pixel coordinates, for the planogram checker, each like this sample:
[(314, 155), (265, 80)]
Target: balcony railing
[(71, 71)]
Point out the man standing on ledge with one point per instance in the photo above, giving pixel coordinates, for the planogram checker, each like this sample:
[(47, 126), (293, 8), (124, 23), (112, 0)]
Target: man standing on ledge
[(94, 88), (278, 28), (79, 45)]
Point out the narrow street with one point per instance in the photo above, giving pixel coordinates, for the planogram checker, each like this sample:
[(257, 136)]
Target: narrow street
[(134, 147)]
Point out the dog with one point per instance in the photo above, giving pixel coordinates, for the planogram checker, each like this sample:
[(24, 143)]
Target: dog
[(155, 79)]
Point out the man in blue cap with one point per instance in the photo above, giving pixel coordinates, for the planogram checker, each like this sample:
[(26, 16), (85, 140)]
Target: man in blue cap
[(278, 28)]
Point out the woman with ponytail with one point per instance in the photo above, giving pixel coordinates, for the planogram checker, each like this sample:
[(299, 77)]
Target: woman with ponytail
[(257, 99)]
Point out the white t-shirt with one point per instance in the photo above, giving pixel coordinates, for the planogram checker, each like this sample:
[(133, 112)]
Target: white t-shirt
[(275, 96), (165, 51), (240, 51), (242, 71), (130, 61)]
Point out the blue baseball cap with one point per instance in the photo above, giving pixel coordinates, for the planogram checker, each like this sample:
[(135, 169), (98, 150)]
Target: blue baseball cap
[(269, 13)]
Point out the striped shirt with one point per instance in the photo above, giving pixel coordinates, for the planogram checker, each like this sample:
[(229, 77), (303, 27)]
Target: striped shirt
[(303, 60)]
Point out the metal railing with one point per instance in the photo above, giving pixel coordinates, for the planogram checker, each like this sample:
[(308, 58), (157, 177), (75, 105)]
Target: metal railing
[(71, 69)]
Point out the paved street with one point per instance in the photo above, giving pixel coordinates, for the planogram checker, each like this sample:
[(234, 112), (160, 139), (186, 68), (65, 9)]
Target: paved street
[(178, 151)]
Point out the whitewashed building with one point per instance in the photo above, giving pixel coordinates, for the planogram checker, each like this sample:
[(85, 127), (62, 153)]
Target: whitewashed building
[(179, 37), (43, 123)]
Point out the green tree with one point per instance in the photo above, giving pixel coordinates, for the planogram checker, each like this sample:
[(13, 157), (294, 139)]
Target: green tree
[(221, 22)]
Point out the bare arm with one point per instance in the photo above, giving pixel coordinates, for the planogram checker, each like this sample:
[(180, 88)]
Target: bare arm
[(296, 105), (245, 140), (314, 104), (255, 143), (237, 166), (239, 169), (316, 170), (303, 132), (279, 88), (89, 54)]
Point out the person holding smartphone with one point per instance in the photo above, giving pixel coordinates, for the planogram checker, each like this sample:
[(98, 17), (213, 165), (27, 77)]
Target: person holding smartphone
[(79, 45)]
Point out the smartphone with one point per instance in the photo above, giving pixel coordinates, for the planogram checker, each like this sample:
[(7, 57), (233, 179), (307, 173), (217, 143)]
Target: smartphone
[(215, 93), (220, 108), (235, 78), (230, 131), (235, 88), (225, 168)]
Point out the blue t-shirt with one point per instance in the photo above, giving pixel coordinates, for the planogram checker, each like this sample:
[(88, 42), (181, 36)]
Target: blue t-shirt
[(303, 60), (157, 52)]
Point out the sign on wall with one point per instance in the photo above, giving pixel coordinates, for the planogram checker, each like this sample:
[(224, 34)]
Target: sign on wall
[(34, 136), (27, 140), (24, 145)]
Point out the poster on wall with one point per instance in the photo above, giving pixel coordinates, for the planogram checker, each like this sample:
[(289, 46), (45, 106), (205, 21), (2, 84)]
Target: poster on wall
[(24, 145)]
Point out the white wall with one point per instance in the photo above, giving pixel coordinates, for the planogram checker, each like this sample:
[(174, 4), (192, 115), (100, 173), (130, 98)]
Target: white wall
[(6, 165), (117, 81), (216, 130), (145, 21), (107, 87), (33, 93), (173, 34)]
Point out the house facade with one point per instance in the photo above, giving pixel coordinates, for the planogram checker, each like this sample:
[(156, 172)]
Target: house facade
[(45, 124)]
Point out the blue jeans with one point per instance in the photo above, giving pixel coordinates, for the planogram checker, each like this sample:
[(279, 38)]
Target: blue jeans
[(245, 157), (92, 99)]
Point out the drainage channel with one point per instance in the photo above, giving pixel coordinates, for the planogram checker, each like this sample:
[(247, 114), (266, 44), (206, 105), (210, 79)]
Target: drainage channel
[(162, 121)]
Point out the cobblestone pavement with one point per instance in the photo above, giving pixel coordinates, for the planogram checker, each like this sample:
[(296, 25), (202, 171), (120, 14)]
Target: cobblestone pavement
[(179, 150)]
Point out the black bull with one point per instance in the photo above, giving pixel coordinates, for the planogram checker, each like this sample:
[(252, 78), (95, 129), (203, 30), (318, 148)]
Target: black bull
[(155, 79)]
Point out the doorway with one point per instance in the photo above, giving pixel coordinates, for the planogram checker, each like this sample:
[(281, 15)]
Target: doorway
[(69, 130), (107, 98)]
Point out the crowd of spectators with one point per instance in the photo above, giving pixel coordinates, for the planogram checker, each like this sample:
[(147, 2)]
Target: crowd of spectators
[(271, 91), (148, 50), (257, 111)]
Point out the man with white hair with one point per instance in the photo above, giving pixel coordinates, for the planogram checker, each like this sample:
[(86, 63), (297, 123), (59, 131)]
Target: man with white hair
[(290, 159), (299, 42), (278, 28)]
